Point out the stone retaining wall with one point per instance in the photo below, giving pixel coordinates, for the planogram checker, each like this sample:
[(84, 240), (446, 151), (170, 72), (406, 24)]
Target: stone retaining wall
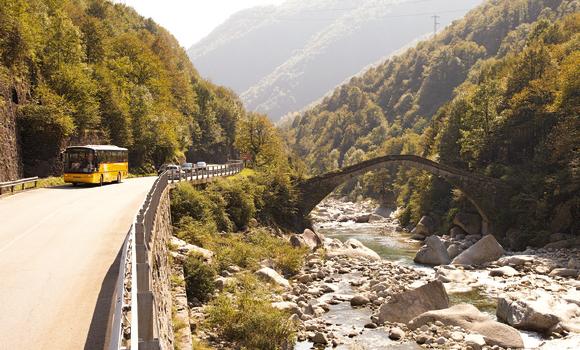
[(161, 272)]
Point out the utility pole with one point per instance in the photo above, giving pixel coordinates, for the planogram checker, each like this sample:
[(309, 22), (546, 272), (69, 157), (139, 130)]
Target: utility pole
[(435, 24)]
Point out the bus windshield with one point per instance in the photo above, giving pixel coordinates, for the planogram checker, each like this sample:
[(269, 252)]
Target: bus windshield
[(79, 161)]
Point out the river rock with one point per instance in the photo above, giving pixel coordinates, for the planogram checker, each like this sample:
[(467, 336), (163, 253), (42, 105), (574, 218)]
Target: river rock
[(470, 318), (541, 315), (503, 271), (425, 227), (313, 239), (433, 252), (375, 218), (362, 219), (290, 307), (184, 249), (451, 274), (271, 275), (564, 272), (319, 338), (298, 241), (454, 250), (405, 306), (359, 300), (475, 341), (485, 250), (396, 333), (223, 282), (351, 248), (470, 223), (515, 260)]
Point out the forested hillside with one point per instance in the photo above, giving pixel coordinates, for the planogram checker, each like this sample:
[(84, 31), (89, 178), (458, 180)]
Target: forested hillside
[(90, 71), (282, 58), (496, 93)]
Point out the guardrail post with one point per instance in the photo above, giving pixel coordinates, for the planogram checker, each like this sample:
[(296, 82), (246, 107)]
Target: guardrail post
[(143, 273), (145, 303)]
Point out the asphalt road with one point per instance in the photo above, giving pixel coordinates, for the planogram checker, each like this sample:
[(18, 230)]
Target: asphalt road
[(59, 260)]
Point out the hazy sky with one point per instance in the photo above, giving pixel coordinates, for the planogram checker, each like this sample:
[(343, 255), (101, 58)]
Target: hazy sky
[(191, 20)]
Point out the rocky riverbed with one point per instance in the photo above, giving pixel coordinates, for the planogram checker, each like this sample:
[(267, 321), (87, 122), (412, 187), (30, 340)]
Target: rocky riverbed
[(350, 298)]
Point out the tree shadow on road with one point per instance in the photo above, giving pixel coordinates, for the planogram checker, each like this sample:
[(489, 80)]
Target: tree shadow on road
[(99, 330)]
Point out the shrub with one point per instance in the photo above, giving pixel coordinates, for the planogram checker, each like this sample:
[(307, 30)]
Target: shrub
[(246, 316), (199, 278), (238, 194), (195, 232), (187, 201), (248, 250)]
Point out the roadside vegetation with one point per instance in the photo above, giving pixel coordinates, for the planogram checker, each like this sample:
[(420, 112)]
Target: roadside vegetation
[(241, 219)]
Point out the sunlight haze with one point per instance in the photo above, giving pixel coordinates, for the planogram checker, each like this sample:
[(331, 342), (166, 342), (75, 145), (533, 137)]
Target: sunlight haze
[(190, 21)]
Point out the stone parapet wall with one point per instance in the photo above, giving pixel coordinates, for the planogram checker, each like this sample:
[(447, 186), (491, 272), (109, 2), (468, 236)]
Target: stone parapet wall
[(161, 272)]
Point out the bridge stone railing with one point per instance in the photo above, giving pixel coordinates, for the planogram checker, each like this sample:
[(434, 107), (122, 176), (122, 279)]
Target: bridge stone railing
[(142, 310)]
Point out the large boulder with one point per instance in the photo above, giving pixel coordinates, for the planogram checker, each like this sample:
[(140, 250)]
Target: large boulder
[(454, 250), (272, 276), (362, 219), (433, 252), (313, 239), (470, 223), (425, 227), (405, 306), (485, 250), (351, 248), (541, 315), (182, 248), (470, 318)]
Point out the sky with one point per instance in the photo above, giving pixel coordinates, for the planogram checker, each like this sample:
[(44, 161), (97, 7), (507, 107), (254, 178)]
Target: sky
[(191, 20)]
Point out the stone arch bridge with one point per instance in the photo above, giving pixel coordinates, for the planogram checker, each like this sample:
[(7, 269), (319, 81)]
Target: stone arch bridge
[(490, 196)]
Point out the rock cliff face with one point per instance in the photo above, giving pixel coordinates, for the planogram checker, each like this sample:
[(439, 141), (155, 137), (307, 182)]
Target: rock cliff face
[(10, 159)]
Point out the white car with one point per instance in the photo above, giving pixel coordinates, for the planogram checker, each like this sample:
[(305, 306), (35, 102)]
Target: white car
[(174, 170), (200, 166)]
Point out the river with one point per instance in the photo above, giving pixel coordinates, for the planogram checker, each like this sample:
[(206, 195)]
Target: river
[(394, 245)]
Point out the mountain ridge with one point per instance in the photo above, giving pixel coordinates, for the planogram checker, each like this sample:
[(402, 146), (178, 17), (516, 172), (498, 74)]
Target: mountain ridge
[(330, 41)]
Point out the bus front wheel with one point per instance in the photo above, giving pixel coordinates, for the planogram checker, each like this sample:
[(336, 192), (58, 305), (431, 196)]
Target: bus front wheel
[(102, 181), (119, 178)]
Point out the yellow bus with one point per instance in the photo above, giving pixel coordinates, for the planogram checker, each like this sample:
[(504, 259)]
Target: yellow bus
[(95, 164)]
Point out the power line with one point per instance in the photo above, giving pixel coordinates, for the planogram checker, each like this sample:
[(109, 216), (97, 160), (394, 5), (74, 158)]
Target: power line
[(335, 18)]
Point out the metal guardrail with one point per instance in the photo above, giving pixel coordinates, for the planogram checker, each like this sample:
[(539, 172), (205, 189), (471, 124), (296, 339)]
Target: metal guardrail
[(134, 325), (13, 184)]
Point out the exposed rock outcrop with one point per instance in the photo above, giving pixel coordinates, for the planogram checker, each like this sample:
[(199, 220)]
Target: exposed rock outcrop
[(272, 276), (433, 252), (544, 315), (405, 306), (485, 250), (470, 318)]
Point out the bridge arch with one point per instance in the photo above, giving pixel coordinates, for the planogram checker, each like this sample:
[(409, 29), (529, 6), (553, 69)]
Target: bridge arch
[(488, 195)]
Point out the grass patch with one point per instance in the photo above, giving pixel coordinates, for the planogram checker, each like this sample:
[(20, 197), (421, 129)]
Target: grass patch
[(248, 250), (51, 181), (245, 316)]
